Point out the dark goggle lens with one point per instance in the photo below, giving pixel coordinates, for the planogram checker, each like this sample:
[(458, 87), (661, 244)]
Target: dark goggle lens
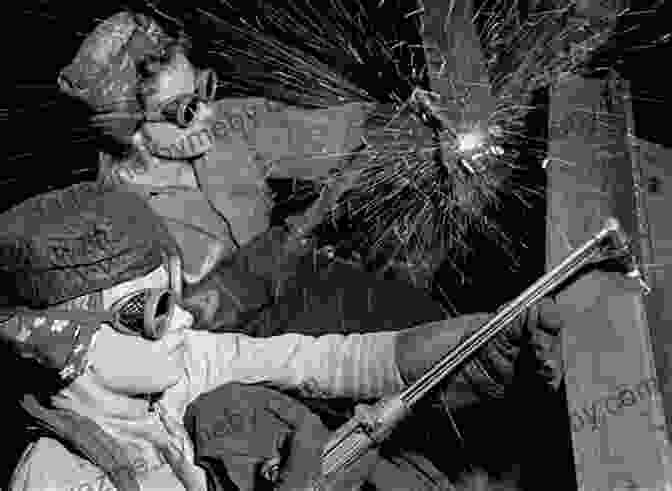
[(145, 313)]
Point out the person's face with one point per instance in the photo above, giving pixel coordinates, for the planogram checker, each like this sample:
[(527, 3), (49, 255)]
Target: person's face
[(131, 365), (166, 139)]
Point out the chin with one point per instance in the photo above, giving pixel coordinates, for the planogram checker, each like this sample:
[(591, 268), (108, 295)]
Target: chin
[(159, 388), (197, 157), (165, 378)]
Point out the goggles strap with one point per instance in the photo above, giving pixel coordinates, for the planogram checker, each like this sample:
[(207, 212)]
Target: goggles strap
[(77, 315)]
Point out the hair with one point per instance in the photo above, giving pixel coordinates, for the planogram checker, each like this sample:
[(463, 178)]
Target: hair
[(150, 65)]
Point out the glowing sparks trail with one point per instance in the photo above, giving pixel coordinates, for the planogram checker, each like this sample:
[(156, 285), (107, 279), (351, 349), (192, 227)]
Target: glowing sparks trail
[(447, 115), (448, 96)]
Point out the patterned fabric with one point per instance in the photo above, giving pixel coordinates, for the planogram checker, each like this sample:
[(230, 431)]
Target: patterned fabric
[(104, 73), (58, 344)]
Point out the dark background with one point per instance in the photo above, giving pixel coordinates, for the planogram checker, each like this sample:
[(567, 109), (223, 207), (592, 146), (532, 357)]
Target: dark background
[(44, 149)]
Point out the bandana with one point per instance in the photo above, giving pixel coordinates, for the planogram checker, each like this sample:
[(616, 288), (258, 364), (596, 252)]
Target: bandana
[(104, 72), (55, 343)]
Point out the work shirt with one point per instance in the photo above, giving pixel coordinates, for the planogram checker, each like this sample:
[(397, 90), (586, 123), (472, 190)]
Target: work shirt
[(359, 366), (223, 199)]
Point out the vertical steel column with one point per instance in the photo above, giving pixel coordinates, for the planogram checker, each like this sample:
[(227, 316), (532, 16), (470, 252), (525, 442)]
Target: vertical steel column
[(618, 427)]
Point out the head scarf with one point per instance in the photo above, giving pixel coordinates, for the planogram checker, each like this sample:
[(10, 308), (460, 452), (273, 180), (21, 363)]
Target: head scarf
[(104, 73)]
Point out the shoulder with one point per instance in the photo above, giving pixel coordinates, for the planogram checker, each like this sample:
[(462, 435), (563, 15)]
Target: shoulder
[(47, 465)]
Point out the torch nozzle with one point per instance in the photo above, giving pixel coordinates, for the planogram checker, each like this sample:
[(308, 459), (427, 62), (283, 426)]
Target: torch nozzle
[(621, 248), (635, 273)]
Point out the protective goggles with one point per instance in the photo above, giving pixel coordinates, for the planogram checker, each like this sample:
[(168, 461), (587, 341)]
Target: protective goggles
[(147, 313), (143, 313), (183, 109)]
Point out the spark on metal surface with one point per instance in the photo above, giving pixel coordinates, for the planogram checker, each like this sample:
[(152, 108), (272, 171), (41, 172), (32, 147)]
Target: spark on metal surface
[(468, 142)]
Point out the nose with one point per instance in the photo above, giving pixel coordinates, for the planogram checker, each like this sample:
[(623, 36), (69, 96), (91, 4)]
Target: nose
[(206, 112), (180, 320)]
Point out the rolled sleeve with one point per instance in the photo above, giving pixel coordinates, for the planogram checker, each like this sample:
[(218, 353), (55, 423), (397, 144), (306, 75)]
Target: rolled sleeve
[(359, 366)]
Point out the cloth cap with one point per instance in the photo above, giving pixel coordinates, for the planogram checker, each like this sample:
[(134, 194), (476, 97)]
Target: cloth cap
[(65, 244), (77, 240), (104, 73)]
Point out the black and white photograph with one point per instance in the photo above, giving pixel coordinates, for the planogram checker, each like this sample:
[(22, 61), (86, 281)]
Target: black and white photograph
[(336, 245)]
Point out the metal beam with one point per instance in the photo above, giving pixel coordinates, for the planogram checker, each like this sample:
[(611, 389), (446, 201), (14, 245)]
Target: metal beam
[(455, 62)]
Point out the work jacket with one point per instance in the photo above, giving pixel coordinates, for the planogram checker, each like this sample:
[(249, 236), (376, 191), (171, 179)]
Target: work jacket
[(359, 366)]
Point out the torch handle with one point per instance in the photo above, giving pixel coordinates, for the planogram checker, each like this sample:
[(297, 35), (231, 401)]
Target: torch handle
[(611, 240), (360, 434)]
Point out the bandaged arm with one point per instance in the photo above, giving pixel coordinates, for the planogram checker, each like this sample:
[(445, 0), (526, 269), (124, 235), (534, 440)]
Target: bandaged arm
[(359, 366)]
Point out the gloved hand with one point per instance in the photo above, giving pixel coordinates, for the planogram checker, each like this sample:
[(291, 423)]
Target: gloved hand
[(238, 430), (226, 298), (536, 332), (492, 369)]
